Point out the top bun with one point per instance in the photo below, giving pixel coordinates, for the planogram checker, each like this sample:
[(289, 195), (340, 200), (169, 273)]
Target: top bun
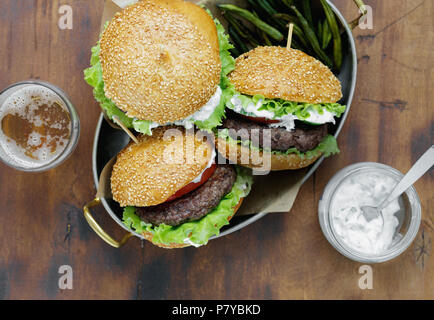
[(151, 171), (160, 60), (288, 74)]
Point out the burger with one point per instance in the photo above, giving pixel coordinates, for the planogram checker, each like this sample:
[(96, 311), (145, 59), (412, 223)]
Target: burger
[(289, 99), (172, 191), (160, 63)]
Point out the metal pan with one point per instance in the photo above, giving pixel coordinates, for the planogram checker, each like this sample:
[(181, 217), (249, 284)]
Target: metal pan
[(109, 141)]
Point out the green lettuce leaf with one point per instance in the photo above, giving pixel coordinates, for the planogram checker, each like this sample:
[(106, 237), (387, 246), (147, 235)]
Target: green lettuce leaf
[(281, 107), (327, 147), (93, 76), (143, 126), (228, 65), (215, 119), (228, 62), (198, 232)]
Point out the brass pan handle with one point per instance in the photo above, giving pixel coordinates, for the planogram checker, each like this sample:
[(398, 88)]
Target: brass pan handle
[(96, 227), (362, 8)]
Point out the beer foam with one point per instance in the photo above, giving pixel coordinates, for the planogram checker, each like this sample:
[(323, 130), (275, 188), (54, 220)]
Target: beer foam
[(32, 96)]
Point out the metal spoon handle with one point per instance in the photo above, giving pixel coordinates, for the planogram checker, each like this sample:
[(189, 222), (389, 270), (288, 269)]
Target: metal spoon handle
[(418, 170)]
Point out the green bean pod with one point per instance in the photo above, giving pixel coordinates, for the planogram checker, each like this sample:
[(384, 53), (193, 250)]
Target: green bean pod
[(269, 30), (308, 12), (311, 36), (297, 30), (288, 3), (334, 27), (266, 39), (287, 17), (326, 35), (267, 11), (232, 22), (320, 31), (273, 4), (267, 7), (242, 31), (238, 42), (256, 7)]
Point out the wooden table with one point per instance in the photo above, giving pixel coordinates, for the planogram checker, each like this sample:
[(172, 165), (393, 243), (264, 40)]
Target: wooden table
[(282, 256)]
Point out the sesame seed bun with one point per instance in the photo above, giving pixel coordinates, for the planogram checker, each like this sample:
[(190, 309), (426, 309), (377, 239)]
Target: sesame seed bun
[(255, 159), (151, 171), (160, 60), (148, 235), (288, 74)]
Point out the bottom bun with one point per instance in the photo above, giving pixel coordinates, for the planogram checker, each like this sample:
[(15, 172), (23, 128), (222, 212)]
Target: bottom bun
[(148, 235), (255, 159)]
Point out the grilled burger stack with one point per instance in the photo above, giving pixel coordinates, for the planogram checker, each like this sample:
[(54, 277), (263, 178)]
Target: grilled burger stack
[(160, 63), (286, 96), (173, 192)]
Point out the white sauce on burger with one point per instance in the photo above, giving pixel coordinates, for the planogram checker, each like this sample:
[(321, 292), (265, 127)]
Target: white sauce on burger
[(191, 243), (204, 113), (210, 163), (251, 108), (287, 121)]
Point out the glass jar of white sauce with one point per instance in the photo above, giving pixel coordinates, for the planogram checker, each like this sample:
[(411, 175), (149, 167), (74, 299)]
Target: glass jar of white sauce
[(346, 228)]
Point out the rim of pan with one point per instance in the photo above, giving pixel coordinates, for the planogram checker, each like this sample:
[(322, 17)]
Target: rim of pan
[(237, 226)]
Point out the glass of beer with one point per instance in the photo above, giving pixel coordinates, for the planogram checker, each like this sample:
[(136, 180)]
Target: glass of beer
[(39, 127)]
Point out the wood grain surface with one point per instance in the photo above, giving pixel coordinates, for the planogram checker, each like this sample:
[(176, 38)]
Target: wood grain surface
[(282, 256)]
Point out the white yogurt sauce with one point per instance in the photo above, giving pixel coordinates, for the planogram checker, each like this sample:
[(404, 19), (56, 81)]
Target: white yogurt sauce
[(124, 3), (365, 189), (317, 118), (251, 108), (204, 113), (287, 121), (210, 163), (191, 243)]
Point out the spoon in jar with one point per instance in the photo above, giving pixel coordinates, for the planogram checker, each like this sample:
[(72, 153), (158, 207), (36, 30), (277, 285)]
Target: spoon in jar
[(418, 170)]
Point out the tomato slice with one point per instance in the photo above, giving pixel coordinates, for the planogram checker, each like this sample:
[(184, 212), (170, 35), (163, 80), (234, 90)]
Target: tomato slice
[(194, 185), (260, 119)]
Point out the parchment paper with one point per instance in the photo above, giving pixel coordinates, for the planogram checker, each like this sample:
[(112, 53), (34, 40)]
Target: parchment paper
[(275, 192)]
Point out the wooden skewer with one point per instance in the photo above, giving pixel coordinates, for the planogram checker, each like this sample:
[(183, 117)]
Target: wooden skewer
[(291, 29), (127, 131)]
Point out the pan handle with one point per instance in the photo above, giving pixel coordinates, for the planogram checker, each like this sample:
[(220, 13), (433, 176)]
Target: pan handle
[(362, 9), (96, 227)]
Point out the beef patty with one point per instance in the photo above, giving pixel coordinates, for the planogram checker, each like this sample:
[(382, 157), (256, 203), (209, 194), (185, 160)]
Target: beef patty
[(304, 137), (193, 205)]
